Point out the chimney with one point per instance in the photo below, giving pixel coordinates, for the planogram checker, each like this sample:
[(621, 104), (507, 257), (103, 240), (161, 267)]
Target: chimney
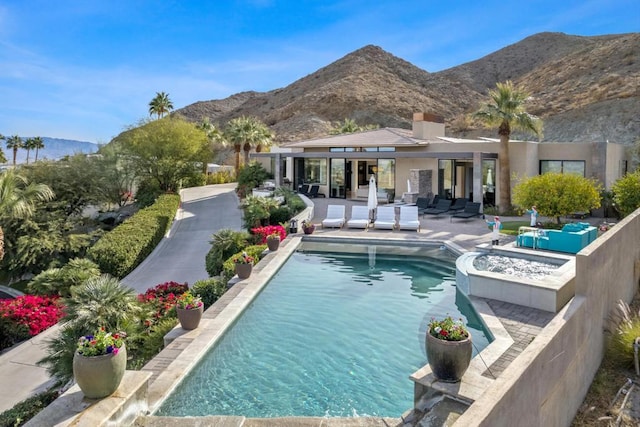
[(427, 125)]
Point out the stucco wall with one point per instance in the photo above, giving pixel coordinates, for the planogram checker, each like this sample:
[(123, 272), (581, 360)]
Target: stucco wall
[(547, 383)]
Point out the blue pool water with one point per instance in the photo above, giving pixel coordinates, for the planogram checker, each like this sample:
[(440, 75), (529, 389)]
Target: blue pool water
[(332, 334)]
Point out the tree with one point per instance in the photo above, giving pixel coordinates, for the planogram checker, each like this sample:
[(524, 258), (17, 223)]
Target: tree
[(14, 143), (3, 159), (160, 105), (246, 132), (17, 198), (29, 144), (117, 174), (626, 193), (38, 144), (165, 151), (507, 112), (557, 194), (217, 142)]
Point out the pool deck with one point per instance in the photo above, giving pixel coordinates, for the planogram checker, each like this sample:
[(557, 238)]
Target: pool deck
[(517, 326)]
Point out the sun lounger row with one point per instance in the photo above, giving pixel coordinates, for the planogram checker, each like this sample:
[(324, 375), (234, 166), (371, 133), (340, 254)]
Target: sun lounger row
[(385, 218)]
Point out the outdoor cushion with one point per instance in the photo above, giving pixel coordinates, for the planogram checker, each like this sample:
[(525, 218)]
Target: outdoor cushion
[(409, 218), (335, 216), (359, 217), (385, 217)]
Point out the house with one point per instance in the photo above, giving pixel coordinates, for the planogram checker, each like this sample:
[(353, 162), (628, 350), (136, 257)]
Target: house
[(432, 163)]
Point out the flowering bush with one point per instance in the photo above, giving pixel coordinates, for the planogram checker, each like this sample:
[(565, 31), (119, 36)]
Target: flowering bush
[(160, 300), (243, 258), (448, 329), (101, 343), (269, 231), (33, 311), (189, 301)]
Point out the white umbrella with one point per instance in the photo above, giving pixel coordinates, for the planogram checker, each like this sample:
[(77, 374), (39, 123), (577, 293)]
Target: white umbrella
[(372, 199), (489, 178), (408, 186)]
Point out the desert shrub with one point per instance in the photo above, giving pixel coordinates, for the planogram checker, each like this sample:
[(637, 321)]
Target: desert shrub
[(251, 176), (229, 266), (280, 215), (123, 249), (221, 177), (620, 348), (224, 244), (257, 210), (210, 290), (60, 281), (147, 193), (195, 180), (626, 193)]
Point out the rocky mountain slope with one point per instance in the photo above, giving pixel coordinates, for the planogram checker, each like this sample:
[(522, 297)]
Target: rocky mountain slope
[(585, 88)]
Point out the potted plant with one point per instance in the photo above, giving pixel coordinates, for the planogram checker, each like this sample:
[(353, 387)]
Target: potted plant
[(449, 348), (273, 241), (272, 235), (189, 308), (244, 265), (99, 363), (308, 227)]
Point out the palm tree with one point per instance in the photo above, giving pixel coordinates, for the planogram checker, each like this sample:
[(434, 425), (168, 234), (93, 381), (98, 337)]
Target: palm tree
[(3, 159), (348, 126), (216, 140), (38, 143), (507, 111), (18, 198), (160, 105), (29, 144), (14, 143), (244, 132)]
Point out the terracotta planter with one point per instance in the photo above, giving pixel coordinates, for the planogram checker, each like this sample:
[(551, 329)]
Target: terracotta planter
[(99, 376), (273, 243), (448, 360), (309, 229), (244, 270), (190, 318)]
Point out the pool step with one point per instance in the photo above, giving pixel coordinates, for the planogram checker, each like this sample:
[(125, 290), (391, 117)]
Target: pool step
[(218, 421)]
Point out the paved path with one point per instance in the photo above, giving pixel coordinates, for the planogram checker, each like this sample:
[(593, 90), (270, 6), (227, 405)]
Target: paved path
[(178, 257)]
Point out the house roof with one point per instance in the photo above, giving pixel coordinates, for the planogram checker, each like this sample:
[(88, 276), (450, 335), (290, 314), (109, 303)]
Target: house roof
[(385, 137)]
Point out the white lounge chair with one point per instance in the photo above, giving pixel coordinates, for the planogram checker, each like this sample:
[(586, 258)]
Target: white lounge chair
[(385, 217), (335, 216), (409, 218), (359, 217)]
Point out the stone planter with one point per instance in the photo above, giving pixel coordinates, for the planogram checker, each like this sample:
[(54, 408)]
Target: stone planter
[(190, 318), (448, 360), (99, 376), (244, 270), (273, 243)]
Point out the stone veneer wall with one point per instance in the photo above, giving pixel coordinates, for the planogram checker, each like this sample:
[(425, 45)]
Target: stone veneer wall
[(547, 383), (421, 181)]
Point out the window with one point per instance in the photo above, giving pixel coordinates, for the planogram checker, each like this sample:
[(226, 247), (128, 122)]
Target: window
[(315, 171), (563, 166)]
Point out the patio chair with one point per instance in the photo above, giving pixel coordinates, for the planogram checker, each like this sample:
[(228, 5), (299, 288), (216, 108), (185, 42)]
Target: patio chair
[(304, 189), (359, 217), (470, 210), (409, 218), (458, 204), (313, 192), (385, 217), (434, 201), (335, 216), (442, 206), (422, 203)]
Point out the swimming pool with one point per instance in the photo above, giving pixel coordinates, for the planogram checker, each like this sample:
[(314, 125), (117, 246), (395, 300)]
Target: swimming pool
[(333, 334)]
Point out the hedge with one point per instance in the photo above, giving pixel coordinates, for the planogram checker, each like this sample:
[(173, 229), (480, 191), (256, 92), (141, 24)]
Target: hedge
[(229, 266), (120, 251)]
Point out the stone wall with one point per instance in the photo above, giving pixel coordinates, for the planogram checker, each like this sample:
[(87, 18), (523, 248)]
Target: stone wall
[(421, 182), (547, 383)]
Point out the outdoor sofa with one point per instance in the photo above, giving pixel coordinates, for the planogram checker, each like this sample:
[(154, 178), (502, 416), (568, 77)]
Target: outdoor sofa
[(571, 239)]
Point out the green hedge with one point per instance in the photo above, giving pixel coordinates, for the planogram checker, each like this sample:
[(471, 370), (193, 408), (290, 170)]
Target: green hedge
[(210, 290), (229, 267), (123, 249)]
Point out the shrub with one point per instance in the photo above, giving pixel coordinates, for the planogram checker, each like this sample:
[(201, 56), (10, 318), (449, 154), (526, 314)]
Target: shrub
[(28, 408), (280, 215), (221, 177), (147, 193), (159, 302), (263, 232), (210, 290), (626, 192), (59, 281), (628, 328), (35, 312), (251, 176), (12, 332), (224, 244), (195, 180), (123, 249), (229, 267), (143, 346)]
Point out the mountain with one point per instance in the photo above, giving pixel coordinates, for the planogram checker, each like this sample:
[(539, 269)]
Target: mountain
[(584, 88), (54, 149)]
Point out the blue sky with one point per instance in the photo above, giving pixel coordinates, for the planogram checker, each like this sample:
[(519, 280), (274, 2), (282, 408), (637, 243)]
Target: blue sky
[(87, 69)]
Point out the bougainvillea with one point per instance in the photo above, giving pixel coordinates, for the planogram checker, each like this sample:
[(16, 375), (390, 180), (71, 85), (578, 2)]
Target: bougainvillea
[(269, 230), (160, 300), (36, 312)]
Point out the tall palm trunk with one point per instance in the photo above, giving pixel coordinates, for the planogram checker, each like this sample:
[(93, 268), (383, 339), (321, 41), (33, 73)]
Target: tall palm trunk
[(505, 168), (246, 148)]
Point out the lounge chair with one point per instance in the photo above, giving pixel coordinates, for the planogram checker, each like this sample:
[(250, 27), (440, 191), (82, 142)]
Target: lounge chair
[(385, 217), (359, 217), (422, 203), (304, 189), (409, 218), (442, 206), (458, 204), (335, 216), (470, 210), (434, 201), (313, 192)]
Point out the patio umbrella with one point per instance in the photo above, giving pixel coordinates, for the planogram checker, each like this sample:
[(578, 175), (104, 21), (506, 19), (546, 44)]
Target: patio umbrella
[(372, 199), (408, 186), (489, 178)]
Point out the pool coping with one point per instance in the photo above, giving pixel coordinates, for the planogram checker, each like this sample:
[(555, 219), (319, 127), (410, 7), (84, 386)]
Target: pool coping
[(186, 348)]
